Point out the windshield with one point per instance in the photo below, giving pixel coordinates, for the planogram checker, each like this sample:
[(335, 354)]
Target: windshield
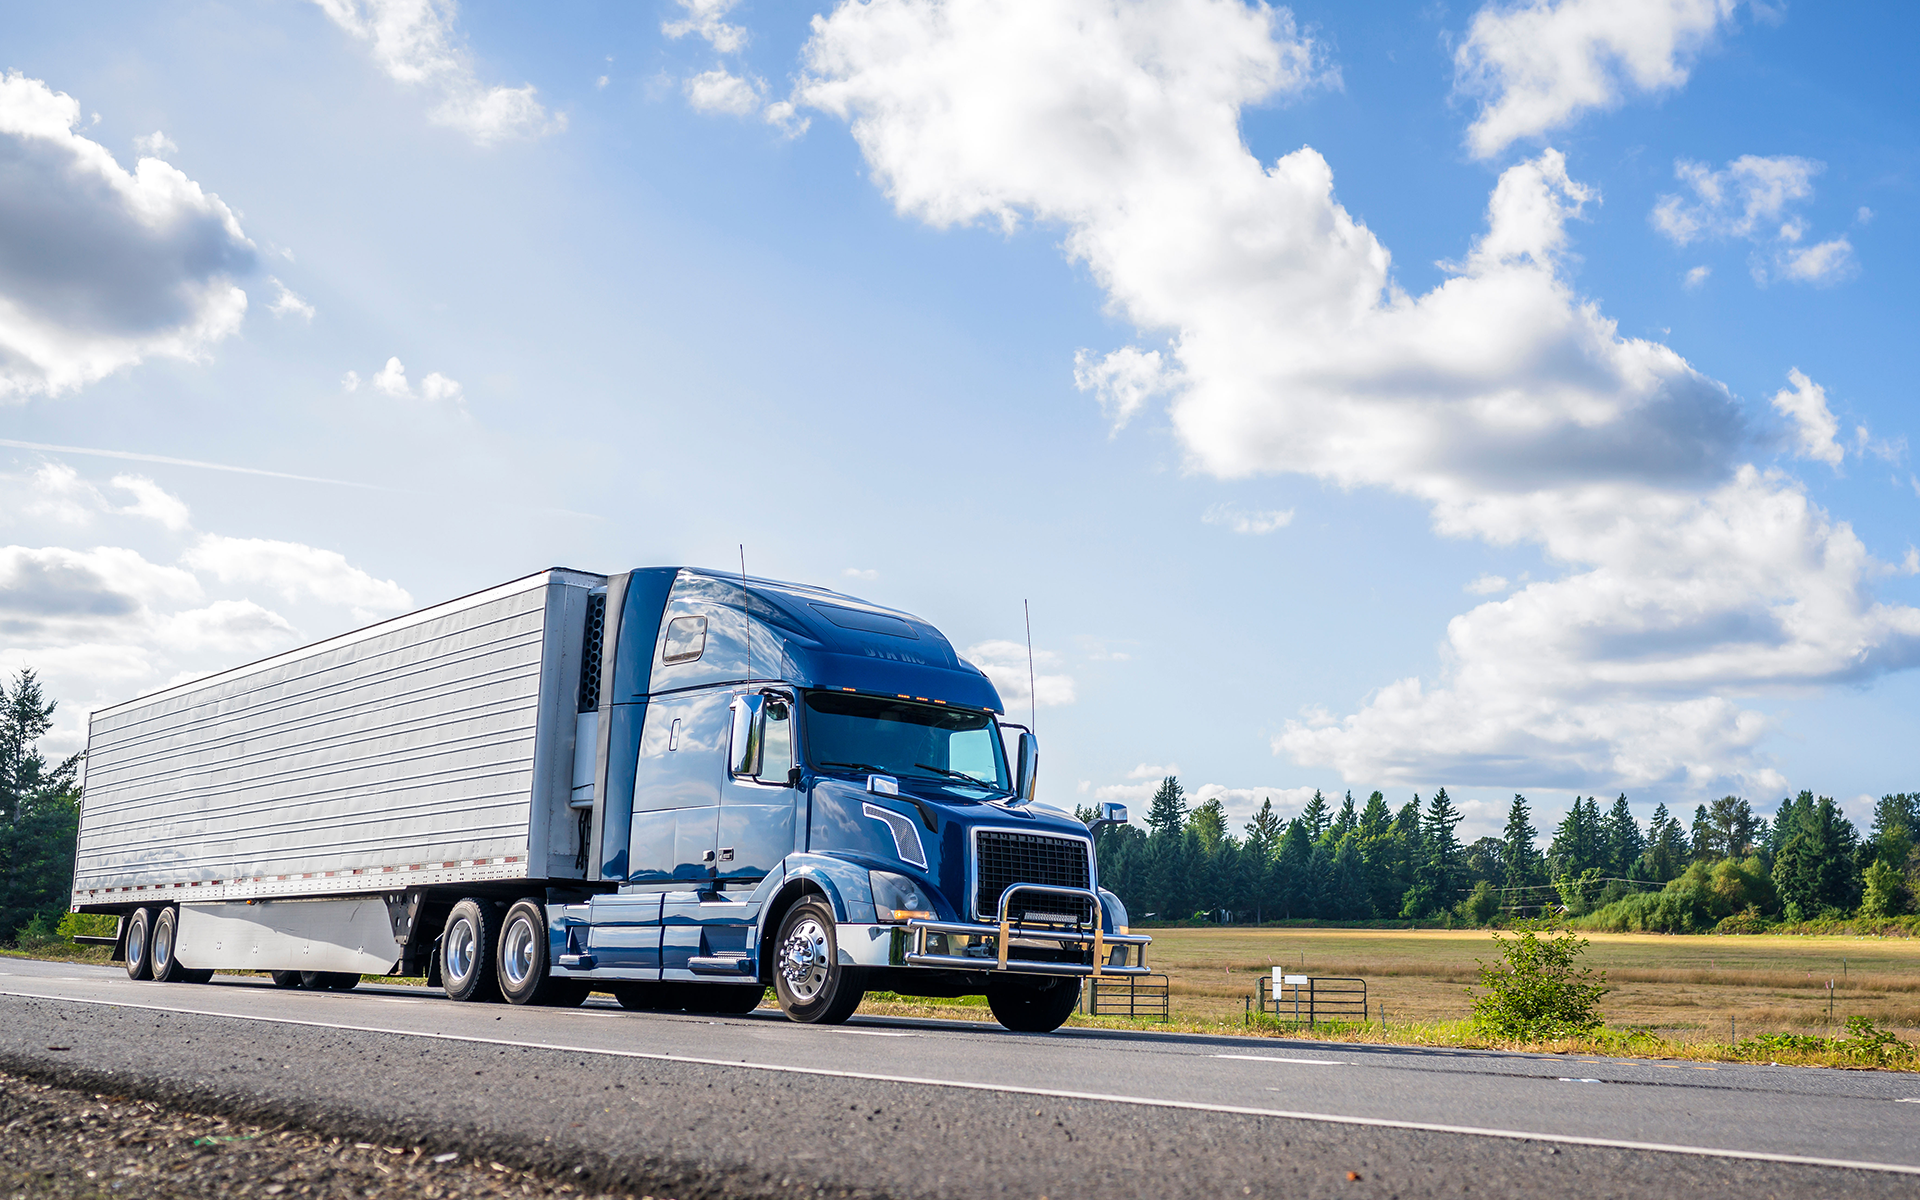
[(897, 737)]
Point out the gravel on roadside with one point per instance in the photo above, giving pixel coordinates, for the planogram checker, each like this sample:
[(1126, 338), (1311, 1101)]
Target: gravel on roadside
[(72, 1145)]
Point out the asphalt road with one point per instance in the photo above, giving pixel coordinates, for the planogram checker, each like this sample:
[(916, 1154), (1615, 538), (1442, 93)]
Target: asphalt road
[(755, 1105)]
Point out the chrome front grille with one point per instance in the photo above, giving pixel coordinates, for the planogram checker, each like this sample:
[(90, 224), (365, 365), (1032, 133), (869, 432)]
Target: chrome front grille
[(1005, 857)]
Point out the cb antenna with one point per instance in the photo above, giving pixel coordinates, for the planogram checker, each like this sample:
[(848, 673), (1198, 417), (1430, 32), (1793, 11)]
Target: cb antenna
[(746, 614), (1033, 697)]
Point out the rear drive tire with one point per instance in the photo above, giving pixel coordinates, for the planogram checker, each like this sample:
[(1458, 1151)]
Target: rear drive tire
[(198, 975), (160, 947), (467, 959), (812, 984), (525, 959), (329, 981), (648, 997), (285, 979), (140, 944), (1033, 1007)]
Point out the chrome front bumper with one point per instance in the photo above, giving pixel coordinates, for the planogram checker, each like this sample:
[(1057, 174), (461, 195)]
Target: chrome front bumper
[(997, 942)]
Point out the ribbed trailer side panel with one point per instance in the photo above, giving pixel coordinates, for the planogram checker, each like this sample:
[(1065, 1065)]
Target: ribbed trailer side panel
[(433, 748)]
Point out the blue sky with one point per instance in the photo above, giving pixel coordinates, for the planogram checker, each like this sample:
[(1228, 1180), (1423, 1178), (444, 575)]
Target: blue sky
[(1509, 398)]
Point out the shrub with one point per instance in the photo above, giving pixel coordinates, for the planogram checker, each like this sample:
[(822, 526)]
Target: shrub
[(1747, 920), (1536, 989), (1479, 908), (1863, 1043), (1886, 892)]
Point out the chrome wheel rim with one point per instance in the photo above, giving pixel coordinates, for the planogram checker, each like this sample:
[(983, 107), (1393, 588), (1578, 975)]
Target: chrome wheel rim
[(805, 958), (137, 941), (516, 953), (162, 946), (460, 947)]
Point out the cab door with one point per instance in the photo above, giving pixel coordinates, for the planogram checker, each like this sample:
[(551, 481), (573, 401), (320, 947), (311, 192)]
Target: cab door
[(676, 789), (756, 826)]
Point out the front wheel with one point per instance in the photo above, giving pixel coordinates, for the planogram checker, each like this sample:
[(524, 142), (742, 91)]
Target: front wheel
[(1040, 1006), (808, 977)]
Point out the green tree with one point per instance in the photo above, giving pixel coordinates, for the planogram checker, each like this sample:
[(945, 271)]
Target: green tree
[(1168, 810), (1351, 898), (1622, 834), (1316, 816), (1815, 870), (1576, 844), (1209, 824), (1264, 830), (1522, 860), (39, 812), (1443, 848), (1667, 852), (1885, 893), (1290, 870)]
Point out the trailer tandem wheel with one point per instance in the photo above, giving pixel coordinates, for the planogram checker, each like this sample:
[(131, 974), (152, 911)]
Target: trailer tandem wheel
[(524, 961), (160, 946), (468, 969), (140, 944)]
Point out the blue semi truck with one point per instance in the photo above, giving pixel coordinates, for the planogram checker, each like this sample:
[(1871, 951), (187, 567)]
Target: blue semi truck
[(679, 786)]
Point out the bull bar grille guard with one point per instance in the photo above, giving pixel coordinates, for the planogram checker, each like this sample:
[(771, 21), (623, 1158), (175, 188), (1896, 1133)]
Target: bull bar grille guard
[(1007, 929)]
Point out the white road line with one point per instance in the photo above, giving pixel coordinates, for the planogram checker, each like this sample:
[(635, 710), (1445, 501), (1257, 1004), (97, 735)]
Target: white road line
[(1045, 1093), (1316, 1062)]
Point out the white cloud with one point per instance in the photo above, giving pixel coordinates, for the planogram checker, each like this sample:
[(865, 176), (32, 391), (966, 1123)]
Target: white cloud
[(1487, 585), (288, 304), (53, 593), (721, 91), (297, 572), (1122, 381), (1815, 428), (1537, 65), (600, 83), (865, 575), (415, 43), (101, 267), (1242, 520), (154, 144), (1154, 771), (391, 380), (238, 629), (1005, 663), (1696, 276), (707, 19), (1748, 198), (1829, 262), (1751, 198), (153, 502), (1510, 405)]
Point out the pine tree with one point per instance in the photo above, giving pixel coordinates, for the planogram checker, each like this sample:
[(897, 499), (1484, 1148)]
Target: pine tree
[(1624, 843), (1352, 893), (1346, 822), (1315, 815), (1443, 848), (39, 811), (1706, 846), (1521, 858), (1290, 870), (1667, 852), (1816, 870), (1168, 810), (1263, 832)]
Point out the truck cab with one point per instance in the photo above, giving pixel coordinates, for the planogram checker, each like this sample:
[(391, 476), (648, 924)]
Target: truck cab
[(789, 787)]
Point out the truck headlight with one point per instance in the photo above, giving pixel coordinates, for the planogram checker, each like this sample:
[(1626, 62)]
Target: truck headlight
[(897, 898)]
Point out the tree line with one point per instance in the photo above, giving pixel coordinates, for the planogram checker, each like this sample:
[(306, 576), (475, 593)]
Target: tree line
[(39, 815), (1370, 861)]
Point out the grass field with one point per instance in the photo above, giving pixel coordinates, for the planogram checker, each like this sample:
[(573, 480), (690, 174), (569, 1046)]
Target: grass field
[(1681, 988)]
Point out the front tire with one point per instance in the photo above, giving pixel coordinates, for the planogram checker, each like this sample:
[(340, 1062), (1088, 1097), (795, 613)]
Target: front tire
[(140, 944), (166, 964), (525, 959), (813, 985), (467, 963), (1036, 1007)]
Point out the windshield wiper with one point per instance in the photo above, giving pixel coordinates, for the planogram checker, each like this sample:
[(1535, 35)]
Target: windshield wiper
[(856, 767), (962, 776)]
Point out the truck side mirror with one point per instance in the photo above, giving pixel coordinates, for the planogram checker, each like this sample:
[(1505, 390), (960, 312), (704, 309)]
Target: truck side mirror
[(1027, 769), (749, 717), (1116, 813)]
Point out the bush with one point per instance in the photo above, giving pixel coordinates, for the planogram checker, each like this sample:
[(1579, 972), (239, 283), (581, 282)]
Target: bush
[(1863, 1043), (1699, 900), (1479, 908), (1536, 990), (1886, 892), (1747, 920)]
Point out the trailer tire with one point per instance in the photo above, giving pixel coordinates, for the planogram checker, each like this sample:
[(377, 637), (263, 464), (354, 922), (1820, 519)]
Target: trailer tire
[(524, 961), (812, 984), (140, 944), (285, 979), (329, 981), (1033, 1007), (161, 946), (648, 997), (467, 962)]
